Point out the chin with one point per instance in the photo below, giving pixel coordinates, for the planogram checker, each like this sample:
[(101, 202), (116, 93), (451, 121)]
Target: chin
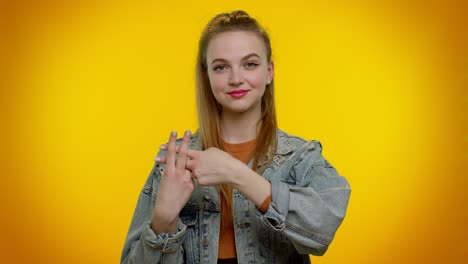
[(239, 109)]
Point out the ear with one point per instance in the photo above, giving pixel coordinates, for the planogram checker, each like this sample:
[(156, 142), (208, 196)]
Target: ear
[(271, 72)]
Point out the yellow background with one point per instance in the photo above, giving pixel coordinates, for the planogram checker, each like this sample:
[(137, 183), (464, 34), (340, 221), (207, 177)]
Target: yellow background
[(90, 89)]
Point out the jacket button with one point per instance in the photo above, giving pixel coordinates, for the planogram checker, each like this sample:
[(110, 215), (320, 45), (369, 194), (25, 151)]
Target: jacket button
[(205, 242)]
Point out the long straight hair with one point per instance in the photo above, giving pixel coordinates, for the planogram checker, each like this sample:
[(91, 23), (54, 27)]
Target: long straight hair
[(209, 110)]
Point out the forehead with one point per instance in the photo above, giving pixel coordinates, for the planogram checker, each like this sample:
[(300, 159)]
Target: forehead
[(233, 45)]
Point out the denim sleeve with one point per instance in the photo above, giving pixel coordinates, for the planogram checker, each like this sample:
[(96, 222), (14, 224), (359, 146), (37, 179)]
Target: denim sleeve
[(310, 211), (142, 245)]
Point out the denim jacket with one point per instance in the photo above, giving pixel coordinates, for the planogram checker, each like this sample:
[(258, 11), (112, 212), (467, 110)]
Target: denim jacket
[(309, 201)]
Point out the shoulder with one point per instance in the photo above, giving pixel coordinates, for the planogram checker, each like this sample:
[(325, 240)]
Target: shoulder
[(307, 152), (305, 162), (286, 140)]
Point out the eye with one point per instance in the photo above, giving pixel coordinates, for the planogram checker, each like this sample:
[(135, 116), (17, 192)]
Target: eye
[(251, 65), (219, 68)]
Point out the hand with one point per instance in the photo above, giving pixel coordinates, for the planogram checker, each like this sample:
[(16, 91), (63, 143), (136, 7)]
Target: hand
[(210, 167), (176, 187), (214, 166)]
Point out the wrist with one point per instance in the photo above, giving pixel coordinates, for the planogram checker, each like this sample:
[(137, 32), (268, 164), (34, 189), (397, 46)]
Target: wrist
[(164, 221), (160, 226), (252, 185), (236, 173)]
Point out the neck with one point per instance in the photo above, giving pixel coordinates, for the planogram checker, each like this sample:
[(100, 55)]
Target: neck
[(239, 127)]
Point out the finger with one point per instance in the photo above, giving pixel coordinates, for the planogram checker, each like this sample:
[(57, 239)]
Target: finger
[(190, 165), (171, 158), (180, 163), (193, 175), (193, 154), (163, 147), (161, 160)]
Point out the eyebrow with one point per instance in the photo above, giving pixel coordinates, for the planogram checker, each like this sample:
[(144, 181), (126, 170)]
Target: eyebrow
[(246, 57)]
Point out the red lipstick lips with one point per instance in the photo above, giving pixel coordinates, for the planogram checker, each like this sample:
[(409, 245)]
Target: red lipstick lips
[(238, 93)]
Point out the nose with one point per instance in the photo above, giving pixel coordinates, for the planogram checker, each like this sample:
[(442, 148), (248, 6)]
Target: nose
[(236, 78)]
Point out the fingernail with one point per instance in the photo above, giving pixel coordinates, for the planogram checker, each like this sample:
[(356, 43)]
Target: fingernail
[(163, 147), (174, 133), (157, 160), (187, 133)]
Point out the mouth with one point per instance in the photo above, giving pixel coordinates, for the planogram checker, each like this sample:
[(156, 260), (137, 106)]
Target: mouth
[(238, 93)]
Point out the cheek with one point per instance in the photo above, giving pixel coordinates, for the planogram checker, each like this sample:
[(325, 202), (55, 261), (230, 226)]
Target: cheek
[(217, 83), (257, 79)]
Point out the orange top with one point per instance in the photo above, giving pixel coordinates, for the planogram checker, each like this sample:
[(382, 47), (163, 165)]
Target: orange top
[(227, 243)]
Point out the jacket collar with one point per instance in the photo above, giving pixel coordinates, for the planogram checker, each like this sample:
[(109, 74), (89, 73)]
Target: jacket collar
[(284, 144)]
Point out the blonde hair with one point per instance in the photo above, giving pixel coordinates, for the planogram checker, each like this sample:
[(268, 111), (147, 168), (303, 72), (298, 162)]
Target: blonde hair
[(209, 110)]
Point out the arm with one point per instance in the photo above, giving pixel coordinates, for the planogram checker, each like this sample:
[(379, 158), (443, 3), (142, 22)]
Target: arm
[(214, 167), (248, 182), (142, 244), (156, 232), (310, 212)]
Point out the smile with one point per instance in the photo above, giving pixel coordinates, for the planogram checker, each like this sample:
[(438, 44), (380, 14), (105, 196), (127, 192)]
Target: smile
[(238, 93)]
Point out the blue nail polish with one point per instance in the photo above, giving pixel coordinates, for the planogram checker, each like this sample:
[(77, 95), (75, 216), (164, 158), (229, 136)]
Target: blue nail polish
[(187, 133), (174, 133)]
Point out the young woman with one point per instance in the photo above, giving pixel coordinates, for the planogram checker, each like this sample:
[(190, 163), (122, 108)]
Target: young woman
[(239, 190)]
